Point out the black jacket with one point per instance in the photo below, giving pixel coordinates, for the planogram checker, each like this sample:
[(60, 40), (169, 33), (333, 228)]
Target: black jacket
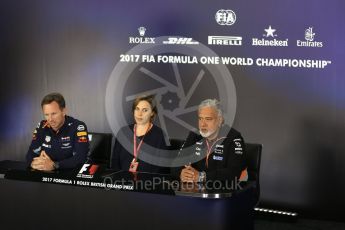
[(148, 156), (227, 158)]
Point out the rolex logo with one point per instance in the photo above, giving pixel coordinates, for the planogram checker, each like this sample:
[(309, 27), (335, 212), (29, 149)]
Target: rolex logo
[(142, 31)]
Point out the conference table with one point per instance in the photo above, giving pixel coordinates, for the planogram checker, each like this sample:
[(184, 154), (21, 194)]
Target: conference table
[(107, 199)]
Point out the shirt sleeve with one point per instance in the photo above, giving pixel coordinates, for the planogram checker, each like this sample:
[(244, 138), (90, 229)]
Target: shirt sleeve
[(235, 162), (35, 146), (80, 148)]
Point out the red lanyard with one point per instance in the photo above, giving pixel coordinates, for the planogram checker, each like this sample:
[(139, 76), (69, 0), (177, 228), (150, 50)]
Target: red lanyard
[(135, 148), (209, 148)]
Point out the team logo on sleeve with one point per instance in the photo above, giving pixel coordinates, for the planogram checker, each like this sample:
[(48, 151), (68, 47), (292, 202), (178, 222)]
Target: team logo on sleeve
[(46, 146), (66, 145), (198, 150), (81, 128), (219, 149), (37, 151), (48, 138), (217, 158), (82, 139), (79, 134), (238, 146), (34, 135), (65, 139)]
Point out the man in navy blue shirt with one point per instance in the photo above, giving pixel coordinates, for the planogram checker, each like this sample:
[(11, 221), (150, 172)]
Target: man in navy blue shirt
[(59, 141)]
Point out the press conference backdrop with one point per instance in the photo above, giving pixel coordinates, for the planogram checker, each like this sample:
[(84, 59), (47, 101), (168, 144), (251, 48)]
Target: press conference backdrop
[(277, 67)]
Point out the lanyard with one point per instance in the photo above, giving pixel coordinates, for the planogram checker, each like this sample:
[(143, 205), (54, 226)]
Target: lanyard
[(135, 147), (209, 148)]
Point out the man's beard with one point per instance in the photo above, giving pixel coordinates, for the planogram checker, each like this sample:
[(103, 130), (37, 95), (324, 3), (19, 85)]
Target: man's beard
[(206, 134)]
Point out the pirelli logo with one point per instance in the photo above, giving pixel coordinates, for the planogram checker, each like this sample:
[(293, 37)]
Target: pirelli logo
[(225, 40)]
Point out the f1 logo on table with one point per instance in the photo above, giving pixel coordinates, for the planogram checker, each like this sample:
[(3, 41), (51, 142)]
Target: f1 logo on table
[(87, 171)]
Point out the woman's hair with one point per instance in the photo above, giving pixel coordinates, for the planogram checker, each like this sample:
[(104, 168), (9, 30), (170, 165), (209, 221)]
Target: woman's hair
[(150, 99)]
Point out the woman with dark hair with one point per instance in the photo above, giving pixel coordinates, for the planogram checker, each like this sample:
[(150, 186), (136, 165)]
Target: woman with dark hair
[(138, 146)]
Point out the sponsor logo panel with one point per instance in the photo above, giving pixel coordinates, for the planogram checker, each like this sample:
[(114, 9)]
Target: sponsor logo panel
[(225, 17), (225, 40), (269, 39), (142, 39), (309, 36)]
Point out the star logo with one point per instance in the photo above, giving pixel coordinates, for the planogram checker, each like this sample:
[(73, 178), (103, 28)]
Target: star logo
[(270, 32)]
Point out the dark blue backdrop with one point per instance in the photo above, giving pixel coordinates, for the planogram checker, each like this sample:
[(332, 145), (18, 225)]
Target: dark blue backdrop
[(298, 114)]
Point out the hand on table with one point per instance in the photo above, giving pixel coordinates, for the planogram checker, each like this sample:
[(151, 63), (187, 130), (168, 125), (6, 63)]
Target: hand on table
[(189, 174), (43, 162)]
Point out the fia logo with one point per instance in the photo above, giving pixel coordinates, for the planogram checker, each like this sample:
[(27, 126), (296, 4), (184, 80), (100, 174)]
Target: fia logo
[(225, 17)]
